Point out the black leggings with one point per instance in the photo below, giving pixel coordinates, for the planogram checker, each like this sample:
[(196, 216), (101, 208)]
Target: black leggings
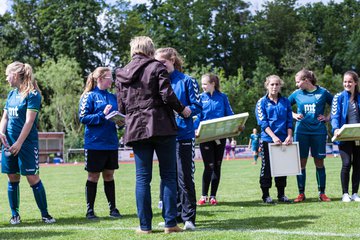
[(350, 155), (212, 154)]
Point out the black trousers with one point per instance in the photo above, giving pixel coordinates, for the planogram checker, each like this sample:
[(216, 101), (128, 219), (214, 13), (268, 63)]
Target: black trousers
[(350, 155), (212, 154), (186, 199), (265, 174)]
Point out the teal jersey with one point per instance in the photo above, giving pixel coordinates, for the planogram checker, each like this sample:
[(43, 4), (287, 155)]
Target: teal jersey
[(311, 105), (16, 107)]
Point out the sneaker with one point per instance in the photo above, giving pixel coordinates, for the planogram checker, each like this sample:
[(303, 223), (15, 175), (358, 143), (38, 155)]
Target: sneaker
[(346, 198), (189, 226), (139, 231), (115, 213), (91, 215), (300, 198), (15, 220), (202, 201), (284, 199), (48, 219), (324, 198), (161, 224), (174, 229), (160, 205), (213, 201), (355, 197), (268, 200)]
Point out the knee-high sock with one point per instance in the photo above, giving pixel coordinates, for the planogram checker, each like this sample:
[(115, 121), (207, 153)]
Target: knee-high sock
[(40, 197), (109, 188), (321, 179), (14, 197), (301, 180), (90, 194), (255, 157)]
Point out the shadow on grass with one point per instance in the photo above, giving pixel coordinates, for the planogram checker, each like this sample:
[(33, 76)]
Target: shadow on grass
[(31, 235), (286, 222), (259, 203)]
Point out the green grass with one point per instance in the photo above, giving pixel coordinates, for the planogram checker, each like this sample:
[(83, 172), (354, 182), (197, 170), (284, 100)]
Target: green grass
[(239, 215)]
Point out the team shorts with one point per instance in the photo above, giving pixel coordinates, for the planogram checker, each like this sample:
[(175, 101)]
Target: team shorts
[(255, 148), (99, 160), (25, 163), (315, 143)]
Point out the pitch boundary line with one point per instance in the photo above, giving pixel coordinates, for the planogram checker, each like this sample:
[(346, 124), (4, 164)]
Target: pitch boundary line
[(245, 230)]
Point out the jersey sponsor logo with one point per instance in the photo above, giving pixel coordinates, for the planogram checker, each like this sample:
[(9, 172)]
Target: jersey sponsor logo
[(310, 108), (99, 101), (13, 111)]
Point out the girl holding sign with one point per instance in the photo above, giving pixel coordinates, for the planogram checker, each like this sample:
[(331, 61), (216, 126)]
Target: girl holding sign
[(345, 110), (274, 116)]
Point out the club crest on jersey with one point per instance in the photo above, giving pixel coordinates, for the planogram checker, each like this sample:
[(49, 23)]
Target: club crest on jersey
[(317, 96)]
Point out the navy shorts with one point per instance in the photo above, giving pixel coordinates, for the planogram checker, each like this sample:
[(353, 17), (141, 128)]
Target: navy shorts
[(315, 143), (99, 160)]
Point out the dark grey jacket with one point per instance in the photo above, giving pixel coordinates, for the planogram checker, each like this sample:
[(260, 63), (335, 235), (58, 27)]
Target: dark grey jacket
[(145, 95)]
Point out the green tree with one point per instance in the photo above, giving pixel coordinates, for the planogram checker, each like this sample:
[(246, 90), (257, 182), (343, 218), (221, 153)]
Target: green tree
[(62, 79)]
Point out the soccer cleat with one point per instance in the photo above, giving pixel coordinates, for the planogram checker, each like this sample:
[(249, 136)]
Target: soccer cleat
[(324, 198), (284, 199), (300, 198), (202, 201), (355, 197), (15, 220), (115, 213), (174, 229), (91, 216), (213, 201), (346, 198), (189, 226), (48, 219), (268, 200)]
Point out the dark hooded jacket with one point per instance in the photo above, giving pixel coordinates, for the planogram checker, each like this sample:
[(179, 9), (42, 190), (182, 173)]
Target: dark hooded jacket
[(145, 95)]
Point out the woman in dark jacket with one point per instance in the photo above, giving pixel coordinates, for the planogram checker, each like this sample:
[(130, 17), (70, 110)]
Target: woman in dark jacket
[(145, 95)]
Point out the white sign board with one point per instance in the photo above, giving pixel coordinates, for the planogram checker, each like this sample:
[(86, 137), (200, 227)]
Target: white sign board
[(348, 132), (284, 159), (219, 128)]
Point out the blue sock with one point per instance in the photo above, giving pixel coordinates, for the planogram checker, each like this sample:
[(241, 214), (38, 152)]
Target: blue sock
[(14, 197), (40, 197), (301, 180), (255, 158), (321, 179)]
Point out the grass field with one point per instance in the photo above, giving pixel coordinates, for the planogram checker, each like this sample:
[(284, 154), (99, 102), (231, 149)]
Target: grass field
[(239, 215)]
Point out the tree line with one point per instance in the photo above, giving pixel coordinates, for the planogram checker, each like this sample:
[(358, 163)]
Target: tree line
[(66, 40)]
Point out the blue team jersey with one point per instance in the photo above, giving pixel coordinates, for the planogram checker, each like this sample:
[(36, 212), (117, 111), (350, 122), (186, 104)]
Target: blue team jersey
[(275, 115), (100, 133), (311, 105), (16, 107), (214, 106), (255, 140), (187, 91)]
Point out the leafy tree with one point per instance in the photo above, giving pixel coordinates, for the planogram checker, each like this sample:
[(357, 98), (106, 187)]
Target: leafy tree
[(62, 79)]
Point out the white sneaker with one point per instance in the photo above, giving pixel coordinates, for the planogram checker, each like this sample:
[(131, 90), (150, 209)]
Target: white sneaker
[(346, 198), (355, 197), (189, 226), (161, 224)]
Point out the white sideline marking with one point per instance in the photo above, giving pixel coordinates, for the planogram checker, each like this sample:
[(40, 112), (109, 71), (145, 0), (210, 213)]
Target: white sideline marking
[(245, 230)]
